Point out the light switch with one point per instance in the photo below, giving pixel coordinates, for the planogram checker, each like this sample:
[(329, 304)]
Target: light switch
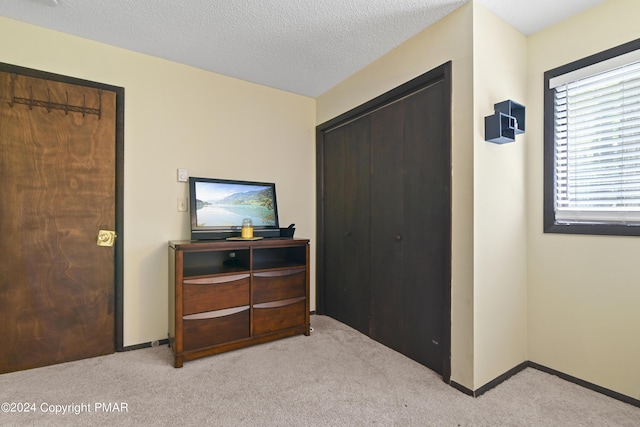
[(182, 204), (183, 175)]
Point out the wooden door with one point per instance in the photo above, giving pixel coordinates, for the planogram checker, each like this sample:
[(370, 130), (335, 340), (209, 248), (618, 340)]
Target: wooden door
[(346, 202), (58, 169)]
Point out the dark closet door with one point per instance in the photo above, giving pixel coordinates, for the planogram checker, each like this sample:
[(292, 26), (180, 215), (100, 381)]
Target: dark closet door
[(410, 205), (427, 224), (346, 212), (402, 139), (387, 226)]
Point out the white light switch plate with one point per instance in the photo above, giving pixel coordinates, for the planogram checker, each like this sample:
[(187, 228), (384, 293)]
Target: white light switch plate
[(183, 175), (182, 204)]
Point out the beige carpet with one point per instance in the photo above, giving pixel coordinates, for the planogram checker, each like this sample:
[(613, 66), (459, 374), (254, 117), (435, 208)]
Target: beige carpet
[(335, 377)]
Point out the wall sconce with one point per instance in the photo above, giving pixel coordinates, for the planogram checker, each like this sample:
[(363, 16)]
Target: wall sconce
[(506, 122)]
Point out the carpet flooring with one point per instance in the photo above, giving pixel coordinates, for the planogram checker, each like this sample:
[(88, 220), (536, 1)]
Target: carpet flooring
[(335, 377)]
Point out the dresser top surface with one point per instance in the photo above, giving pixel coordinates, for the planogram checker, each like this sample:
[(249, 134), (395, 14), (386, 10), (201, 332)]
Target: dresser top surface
[(223, 244)]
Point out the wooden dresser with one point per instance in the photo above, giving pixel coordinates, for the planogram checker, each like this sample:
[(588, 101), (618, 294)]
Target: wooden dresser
[(225, 295)]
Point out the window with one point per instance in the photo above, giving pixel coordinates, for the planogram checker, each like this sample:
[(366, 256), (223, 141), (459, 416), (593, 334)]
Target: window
[(592, 144)]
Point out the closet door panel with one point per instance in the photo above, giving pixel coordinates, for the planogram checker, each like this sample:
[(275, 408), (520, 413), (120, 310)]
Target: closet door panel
[(347, 224), (334, 223), (426, 171), (388, 228)]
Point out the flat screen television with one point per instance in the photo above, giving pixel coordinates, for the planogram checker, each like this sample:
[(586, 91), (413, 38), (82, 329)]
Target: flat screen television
[(218, 207)]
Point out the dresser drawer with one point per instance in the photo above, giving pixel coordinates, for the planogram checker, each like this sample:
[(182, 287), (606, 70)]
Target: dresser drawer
[(215, 293), (279, 285), (206, 329), (277, 315)]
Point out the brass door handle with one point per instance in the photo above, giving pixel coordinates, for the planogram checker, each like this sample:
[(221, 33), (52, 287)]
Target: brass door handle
[(106, 238)]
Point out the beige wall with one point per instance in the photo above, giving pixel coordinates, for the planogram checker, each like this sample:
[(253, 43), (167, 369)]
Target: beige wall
[(499, 220), (448, 40), (584, 291), (180, 117)]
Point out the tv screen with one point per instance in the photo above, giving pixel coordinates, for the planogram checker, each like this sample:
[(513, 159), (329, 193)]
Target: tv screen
[(218, 207)]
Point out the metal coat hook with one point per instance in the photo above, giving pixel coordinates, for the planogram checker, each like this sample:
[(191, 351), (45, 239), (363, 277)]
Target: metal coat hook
[(13, 75), (49, 104)]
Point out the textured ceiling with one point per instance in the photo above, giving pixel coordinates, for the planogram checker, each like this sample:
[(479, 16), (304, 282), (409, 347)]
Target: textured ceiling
[(301, 46)]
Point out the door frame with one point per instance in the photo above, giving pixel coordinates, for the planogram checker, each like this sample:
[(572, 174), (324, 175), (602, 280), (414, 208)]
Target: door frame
[(440, 73), (119, 182)]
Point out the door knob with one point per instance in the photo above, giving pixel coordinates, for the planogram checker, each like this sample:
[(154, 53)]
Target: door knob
[(106, 238)]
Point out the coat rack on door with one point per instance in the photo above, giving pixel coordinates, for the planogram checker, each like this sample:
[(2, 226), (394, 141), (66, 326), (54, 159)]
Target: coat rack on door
[(50, 105)]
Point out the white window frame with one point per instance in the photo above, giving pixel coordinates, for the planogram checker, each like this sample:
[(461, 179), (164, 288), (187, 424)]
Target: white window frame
[(568, 208)]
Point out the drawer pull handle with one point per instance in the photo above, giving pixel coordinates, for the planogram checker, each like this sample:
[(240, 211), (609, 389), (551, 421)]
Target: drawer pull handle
[(281, 303), (213, 280), (216, 313), (279, 273)]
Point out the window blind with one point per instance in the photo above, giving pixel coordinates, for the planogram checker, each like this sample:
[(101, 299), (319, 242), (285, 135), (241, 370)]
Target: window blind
[(597, 148)]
